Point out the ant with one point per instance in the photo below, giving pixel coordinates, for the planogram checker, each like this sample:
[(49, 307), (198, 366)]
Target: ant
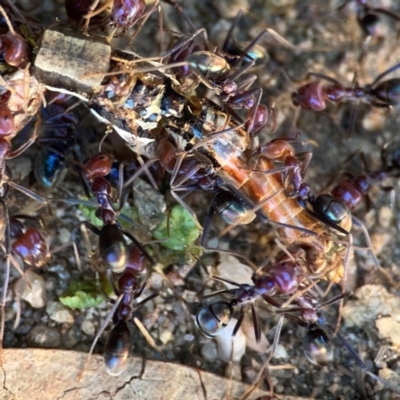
[(7, 153), (123, 14), (213, 69), (283, 278), (50, 163), (313, 96), (129, 286), (367, 17), (13, 47), (112, 244)]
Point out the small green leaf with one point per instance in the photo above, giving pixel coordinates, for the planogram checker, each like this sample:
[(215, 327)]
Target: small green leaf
[(81, 295), (178, 231)]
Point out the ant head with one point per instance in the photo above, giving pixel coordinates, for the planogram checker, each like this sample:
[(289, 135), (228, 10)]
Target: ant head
[(97, 166)]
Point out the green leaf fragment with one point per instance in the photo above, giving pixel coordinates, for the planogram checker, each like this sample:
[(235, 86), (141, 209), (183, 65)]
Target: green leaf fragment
[(178, 231), (81, 295)]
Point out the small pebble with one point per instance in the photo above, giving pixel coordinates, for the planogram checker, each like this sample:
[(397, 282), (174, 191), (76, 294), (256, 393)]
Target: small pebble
[(372, 300), (42, 336), (224, 342), (34, 295), (389, 327), (380, 240), (234, 7), (59, 313), (231, 268), (156, 281), (280, 351), (166, 336), (64, 235), (88, 328), (209, 351), (385, 216), (149, 202), (71, 337)]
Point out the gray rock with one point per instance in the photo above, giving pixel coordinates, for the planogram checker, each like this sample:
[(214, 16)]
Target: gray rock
[(43, 336), (209, 351), (59, 313), (150, 203)]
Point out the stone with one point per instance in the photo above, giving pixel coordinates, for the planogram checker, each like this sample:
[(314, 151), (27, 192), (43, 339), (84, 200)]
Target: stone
[(35, 294), (209, 351), (43, 336), (231, 268), (59, 313), (372, 301), (88, 328), (149, 202)]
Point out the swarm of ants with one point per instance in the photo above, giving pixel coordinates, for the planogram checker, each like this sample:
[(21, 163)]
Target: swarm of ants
[(272, 127)]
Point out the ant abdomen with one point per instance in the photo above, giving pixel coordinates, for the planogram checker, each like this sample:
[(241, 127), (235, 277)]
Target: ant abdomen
[(232, 210), (117, 349), (317, 346), (388, 91), (15, 50), (334, 210), (212, 319), (208, 64)]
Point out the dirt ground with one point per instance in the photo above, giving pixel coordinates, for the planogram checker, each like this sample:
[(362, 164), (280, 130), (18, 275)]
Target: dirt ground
[(327, 41)]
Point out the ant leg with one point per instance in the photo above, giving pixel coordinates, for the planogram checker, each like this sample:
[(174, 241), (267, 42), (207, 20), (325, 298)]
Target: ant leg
[(75, 249), (272, 350), (84, 227), (17, 266), (256, 209), (7, 20), (362, 365), (200, 32), (139, 172), (213, 294), (384, 73), (7, 239), (186, 207), (324, 77), (27, 192), (343, 281), (224, 280), (148, 337), (257, 331), (174, 4), (143, 19), (207, 224), (225, 45), (361, 225), (98, 334)]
